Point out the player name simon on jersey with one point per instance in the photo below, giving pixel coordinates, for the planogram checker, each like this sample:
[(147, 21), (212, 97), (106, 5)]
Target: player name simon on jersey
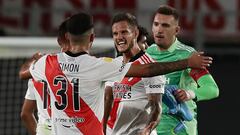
[(69, 67)]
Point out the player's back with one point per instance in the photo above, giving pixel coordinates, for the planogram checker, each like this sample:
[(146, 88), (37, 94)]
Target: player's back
[(85, 90), (77, 96)]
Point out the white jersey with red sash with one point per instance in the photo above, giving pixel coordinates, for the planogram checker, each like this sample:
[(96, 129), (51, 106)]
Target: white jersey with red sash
[(76, 89), (128, 115), (38, 91)]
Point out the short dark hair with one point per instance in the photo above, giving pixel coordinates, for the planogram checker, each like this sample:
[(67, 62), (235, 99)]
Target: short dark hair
[(142, 32), (79, 23), (131, 19), (62, 28), (167, 10)]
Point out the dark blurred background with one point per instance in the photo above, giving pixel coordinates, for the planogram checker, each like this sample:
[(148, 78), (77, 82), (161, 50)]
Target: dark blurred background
[(209, 25)]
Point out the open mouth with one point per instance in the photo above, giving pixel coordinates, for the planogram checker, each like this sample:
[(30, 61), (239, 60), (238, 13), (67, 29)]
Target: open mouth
[(121, 43)]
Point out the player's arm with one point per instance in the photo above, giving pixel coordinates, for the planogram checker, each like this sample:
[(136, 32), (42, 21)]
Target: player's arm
[(207, 88), (196, 60), (27, 115), (186, 88), (108, 100), (204, 88), (154, 106), (24, 72)]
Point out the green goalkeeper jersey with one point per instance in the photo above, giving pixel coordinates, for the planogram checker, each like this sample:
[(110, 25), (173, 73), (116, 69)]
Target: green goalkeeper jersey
[(177, 51), (189, 79)]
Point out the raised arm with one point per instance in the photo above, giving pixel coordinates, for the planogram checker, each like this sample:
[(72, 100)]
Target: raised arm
[(196, 60), (24, 72)]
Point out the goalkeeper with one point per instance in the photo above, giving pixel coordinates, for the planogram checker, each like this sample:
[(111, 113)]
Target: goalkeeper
[(195, 84)]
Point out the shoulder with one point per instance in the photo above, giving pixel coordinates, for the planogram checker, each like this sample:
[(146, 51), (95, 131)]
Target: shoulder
[(152, 49), (183, 47), (119, 58), (144, 59), (103, 61)]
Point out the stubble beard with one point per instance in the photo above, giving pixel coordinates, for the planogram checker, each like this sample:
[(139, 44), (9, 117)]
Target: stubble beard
[(128, 49)]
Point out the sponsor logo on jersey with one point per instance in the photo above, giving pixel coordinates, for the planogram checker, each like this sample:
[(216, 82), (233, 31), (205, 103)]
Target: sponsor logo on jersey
[(155, 86), (122, 91), (106, 59), (67, 121), (122, 67)]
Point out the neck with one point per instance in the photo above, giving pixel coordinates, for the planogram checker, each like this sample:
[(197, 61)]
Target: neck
[(166, 47), (131, 53), (79, 48)]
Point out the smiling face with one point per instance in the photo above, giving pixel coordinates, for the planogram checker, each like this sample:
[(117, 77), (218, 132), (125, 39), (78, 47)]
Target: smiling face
[(164, 28), (123, 36)]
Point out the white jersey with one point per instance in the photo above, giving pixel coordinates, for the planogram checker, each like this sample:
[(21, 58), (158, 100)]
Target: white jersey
[(76, 89), (38, 91), (128, 115)]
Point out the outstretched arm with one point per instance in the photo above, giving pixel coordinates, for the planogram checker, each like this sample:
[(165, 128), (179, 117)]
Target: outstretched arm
[(24, 72), (196, 60)]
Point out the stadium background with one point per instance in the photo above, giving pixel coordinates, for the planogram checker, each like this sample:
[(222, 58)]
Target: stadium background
[(209, 25)]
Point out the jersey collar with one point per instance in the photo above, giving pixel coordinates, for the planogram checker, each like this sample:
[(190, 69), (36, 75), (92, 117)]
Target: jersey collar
[(75, 54), (137, 56), (173, 46)]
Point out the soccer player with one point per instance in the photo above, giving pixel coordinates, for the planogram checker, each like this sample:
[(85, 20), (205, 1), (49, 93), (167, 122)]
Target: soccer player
[(75, 79), (37, 97), (194, 84), (144, 39), (137, 101)]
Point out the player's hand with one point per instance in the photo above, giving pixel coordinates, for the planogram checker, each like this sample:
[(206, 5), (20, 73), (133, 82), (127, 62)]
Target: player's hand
[(183, 95), (37, 56), (148, 129), (145, 132), (198, 60)]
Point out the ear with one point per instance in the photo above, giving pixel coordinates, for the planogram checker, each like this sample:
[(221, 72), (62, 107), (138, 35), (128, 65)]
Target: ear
[(67, 35), (59, 41), (136, 32), (92, 36), (178, 29)]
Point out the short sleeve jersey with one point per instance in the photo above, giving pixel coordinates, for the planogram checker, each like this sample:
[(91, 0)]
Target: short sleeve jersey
[(38, 91), (134, 88), (76, 84), (177, 51), (130, 99)]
